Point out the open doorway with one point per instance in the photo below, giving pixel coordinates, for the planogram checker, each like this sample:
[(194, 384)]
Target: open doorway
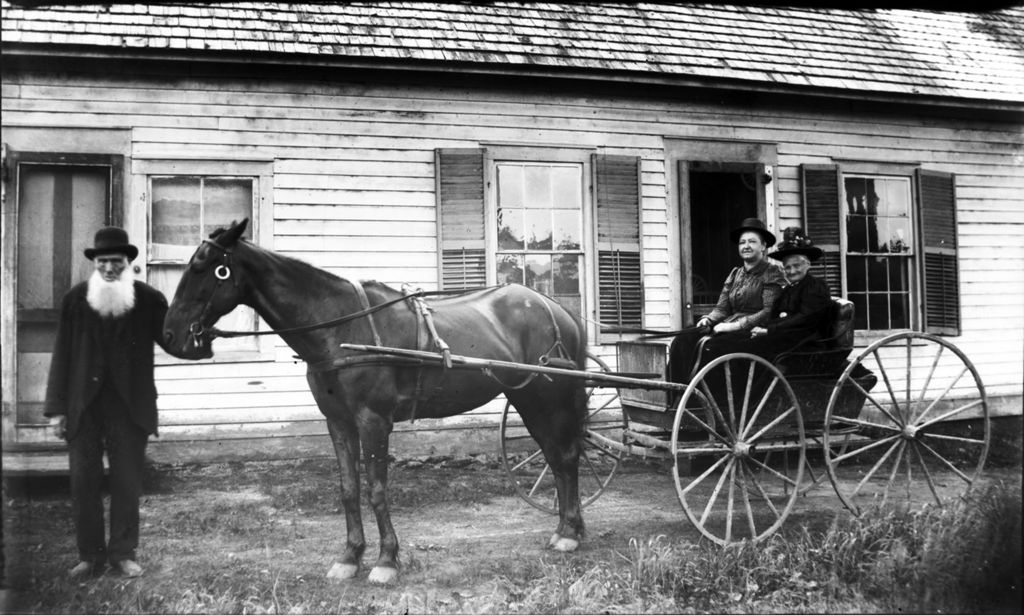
[(718, 197)]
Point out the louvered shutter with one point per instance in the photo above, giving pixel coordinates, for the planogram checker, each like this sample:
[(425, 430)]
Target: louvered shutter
[(822, 209), (939, 242), (460, 218), (617, 206)]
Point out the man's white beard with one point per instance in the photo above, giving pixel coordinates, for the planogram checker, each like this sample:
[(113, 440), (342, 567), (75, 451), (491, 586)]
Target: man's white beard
[(112, 299)]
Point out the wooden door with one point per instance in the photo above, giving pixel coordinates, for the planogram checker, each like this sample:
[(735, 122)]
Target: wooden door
[(61, 202)]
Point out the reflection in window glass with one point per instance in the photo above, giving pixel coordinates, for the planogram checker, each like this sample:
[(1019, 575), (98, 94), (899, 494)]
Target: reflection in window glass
[(540, 228)]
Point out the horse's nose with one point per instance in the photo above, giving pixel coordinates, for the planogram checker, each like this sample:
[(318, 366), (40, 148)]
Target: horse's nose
[(169, 337)]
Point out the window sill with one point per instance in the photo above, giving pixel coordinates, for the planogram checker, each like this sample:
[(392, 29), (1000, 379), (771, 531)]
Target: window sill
[(863, 338)]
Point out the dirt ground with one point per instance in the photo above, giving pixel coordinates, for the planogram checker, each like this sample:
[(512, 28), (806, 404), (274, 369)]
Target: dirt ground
[(459, 523)]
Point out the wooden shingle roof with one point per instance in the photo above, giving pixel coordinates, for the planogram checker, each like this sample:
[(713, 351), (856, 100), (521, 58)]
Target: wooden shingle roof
[(976, 56)]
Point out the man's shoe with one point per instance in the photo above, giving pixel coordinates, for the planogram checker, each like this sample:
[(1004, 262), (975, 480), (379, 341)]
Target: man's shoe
[(84, 569), (129, 568)]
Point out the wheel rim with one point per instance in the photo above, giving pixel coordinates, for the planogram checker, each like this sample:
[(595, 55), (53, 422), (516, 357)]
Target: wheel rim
[(529, 471), (740, 495), (898, 450)]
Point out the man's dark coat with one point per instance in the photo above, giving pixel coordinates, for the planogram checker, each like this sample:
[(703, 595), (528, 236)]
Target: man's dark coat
[(80, 363)]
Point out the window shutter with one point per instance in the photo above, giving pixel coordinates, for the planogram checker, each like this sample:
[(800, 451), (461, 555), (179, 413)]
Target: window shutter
[(617, 205), (462, 257), (939, 242), (822, 207)]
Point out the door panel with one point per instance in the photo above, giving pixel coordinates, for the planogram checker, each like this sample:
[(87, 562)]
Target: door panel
[(60, 207)]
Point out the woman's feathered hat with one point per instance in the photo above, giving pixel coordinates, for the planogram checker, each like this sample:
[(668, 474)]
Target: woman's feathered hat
[(794, 241)]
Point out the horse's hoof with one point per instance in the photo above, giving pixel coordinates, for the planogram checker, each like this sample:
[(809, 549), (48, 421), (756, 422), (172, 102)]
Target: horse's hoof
[(342, 572), (382, 575), (563, 544)]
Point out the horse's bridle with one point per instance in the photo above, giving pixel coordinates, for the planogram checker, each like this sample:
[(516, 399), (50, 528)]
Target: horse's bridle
[(222, 272)]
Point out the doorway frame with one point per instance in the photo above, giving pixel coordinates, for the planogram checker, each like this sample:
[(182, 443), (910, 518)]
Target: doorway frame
[(722, 152), (114, 215)]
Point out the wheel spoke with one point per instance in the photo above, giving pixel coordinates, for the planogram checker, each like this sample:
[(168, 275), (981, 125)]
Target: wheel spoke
[(729, 503), (729, 396), (949, 465), (860, 450), (522, 463), (706, 427), (931, 373), (746, 499), (888, 386), (941, 396), (908, 406), (705, 474), (945, 416), (939, 436), (760, 406), (717, 410), (718, 488), (764, 496), (610, 401), (746, 397), (927, 474), (862, 423), (895, 469), (536, 483), (785, 479), (771, 425)]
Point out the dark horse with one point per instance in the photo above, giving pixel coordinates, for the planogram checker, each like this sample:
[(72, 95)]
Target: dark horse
[(363, 398)]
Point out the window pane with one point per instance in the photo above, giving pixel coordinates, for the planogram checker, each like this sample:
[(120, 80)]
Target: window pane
[(226, 200), (538, 229), (175, 218), (878, 273), (538, 187), (899, 311), (856, 274), (565, 187), (165, 278), (567, 231), (856, 195), (566, 274), (856, 233), (878, 311), (538, 272), (510, 185), (510, 229), (860, 310), (898, 275), (510, 268)]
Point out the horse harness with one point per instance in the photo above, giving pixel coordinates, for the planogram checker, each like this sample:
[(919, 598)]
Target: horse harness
[(556, 356)]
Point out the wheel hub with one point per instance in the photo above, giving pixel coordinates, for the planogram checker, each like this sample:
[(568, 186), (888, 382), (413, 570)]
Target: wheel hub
[(910, 432), (742, 449)]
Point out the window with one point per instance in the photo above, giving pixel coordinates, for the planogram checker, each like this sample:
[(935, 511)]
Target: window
[(187, 201), (889, 236), (540, 229), (879, 250), (563, 221)]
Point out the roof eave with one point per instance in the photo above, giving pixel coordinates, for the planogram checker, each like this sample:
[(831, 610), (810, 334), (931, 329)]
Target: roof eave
[(26, 51)]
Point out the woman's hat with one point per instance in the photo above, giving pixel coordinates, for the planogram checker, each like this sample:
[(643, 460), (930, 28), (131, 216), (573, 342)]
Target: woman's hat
[(111, 240), (755, 225), (794, 241)]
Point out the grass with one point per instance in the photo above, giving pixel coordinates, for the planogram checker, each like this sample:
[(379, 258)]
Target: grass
[(259, 547)]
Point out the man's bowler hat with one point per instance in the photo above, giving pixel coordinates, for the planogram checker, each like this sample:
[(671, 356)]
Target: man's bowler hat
[(111, 240)]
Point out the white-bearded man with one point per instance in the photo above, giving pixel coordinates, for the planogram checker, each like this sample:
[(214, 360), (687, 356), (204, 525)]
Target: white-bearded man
[(101, 397)]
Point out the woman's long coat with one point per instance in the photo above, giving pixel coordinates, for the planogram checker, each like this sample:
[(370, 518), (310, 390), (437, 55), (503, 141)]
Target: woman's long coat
[(82, 358)]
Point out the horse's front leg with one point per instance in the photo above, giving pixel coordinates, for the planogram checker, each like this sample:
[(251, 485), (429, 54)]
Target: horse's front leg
[(345, 438), (375, 432)]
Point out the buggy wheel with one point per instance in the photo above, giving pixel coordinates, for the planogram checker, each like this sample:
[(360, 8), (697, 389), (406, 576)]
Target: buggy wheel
[(878, 443), (600, 459), (738, 496)]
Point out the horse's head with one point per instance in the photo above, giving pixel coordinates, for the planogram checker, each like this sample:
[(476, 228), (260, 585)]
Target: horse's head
[(210, 288)]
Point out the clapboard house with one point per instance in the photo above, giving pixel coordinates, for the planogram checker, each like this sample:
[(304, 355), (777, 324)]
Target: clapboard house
[(598, 152)]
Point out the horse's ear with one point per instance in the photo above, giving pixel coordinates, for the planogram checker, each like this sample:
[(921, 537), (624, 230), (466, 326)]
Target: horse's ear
[(231, 235)]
